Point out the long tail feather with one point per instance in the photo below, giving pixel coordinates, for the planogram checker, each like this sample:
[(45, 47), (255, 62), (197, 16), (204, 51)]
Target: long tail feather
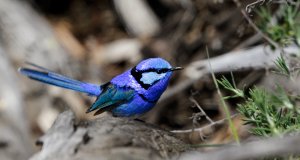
[(52, 78)]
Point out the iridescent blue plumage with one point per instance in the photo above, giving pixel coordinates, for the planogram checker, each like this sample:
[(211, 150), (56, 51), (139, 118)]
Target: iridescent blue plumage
[(131, 93)]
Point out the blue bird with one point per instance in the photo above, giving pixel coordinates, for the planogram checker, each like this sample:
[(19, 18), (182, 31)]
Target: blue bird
[(131, 93)]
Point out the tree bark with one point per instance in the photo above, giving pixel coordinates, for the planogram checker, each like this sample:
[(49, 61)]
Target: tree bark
[(106, 138)]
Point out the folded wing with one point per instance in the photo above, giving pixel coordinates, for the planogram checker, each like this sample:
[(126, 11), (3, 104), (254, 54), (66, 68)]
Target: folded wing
[(110, 97)]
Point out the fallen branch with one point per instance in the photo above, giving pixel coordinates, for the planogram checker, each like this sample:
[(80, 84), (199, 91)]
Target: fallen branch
[(108, 138), (259, 57), (275, 146)]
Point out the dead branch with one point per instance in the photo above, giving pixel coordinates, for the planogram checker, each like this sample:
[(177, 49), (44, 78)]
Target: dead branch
[(275, 146), (108, 138), (201, 129), (259, 57)]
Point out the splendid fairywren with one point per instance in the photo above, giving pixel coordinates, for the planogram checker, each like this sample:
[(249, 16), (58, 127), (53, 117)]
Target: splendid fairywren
[(131, 93)]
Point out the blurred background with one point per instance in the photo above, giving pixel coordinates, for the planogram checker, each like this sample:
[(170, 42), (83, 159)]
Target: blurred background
[(93, 41)]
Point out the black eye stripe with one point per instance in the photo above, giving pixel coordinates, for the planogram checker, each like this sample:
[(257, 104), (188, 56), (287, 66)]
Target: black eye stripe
[(159, 71), (138, 75)]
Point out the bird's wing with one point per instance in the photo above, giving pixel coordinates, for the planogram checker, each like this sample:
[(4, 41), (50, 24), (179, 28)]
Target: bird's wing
[(111, 96)]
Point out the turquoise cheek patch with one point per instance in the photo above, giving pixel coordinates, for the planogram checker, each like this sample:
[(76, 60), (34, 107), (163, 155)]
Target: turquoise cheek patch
[(151, 77)]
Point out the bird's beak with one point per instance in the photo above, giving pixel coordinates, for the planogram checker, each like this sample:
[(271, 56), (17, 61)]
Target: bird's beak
[(176, 68)]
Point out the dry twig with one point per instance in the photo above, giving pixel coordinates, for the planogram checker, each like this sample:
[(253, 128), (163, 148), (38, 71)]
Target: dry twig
[(275, 146), (221, 121)]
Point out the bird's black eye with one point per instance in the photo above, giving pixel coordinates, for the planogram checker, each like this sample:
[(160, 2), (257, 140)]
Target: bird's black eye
[(159, 71), (163, 70)]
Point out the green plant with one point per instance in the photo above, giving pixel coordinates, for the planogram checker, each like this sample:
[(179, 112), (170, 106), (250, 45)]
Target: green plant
[(282, 27), (226, 109), (268, 113), (282, 67), (272, 112)]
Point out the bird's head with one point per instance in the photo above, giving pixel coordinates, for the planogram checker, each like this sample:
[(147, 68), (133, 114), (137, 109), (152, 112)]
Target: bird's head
[(150, 71)]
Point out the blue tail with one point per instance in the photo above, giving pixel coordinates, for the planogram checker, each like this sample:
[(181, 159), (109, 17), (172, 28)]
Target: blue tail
[(55, 79)]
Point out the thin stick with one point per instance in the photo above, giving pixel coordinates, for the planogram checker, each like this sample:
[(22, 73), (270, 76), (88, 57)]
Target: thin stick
[(252, 5), (202, 111), (252, 24), (258, 30), (221, 121)]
